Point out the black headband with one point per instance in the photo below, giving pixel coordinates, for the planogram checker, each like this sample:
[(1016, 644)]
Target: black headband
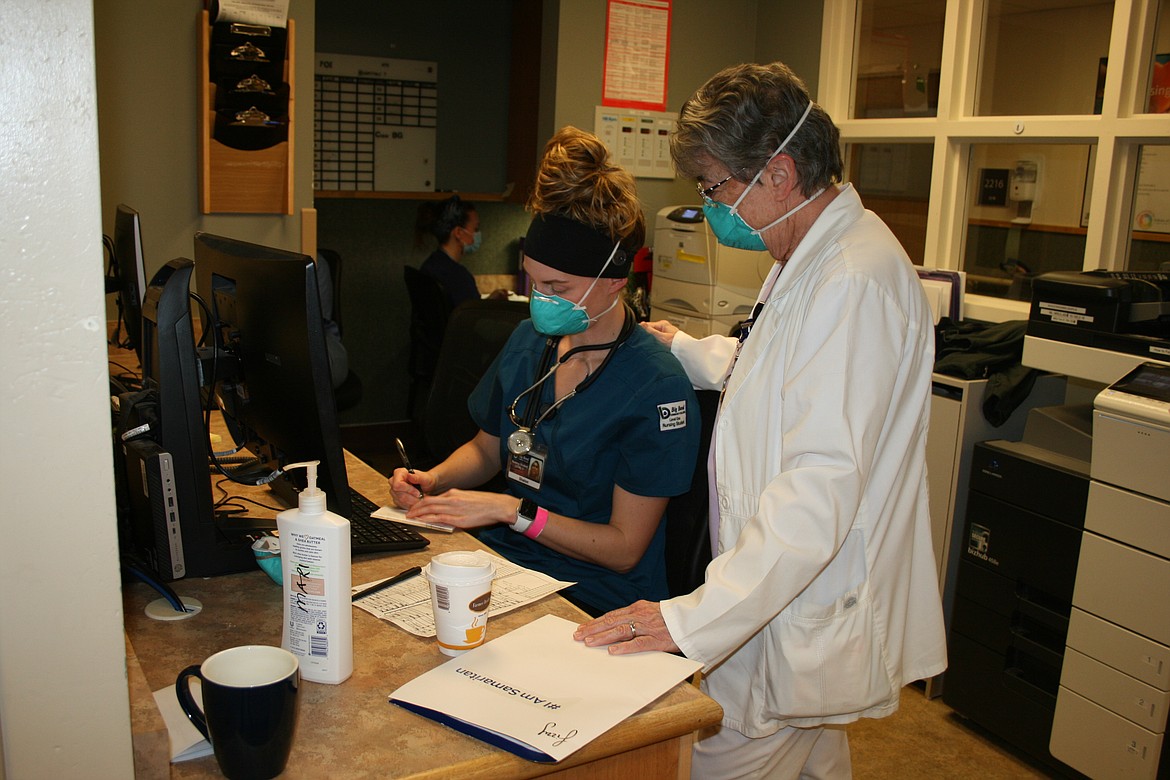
[(573, 247)]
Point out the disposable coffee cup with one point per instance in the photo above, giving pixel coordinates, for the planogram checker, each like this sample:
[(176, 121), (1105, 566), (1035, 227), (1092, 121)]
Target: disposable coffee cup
[(461, 592), (249, 708)]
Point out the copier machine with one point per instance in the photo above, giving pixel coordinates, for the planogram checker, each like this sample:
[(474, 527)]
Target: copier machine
[(1111, 708), (699, 285)]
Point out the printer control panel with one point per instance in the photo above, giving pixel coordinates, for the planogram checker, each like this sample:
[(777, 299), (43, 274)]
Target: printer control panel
[(688, 215), (1143, 393)]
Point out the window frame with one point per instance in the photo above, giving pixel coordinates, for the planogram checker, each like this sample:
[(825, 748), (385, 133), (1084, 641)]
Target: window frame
[(1118, 131)]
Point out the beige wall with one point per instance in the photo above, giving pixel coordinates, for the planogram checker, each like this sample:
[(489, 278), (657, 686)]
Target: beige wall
[(704, 38), (63, 696), (147, 97), (63, 701)]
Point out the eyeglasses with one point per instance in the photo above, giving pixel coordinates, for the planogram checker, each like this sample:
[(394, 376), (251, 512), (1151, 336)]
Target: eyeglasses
[(706, 192)]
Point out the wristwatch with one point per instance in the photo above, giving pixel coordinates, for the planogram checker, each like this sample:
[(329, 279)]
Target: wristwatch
[(525, 514)]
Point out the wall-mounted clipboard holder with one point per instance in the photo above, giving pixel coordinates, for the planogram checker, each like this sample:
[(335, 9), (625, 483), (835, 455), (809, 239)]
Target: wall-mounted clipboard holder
[(236, 180)]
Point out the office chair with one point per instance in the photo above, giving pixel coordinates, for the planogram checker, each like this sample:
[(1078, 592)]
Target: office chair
[(688, 538), (349, 393), (429, 311), (478, 330)]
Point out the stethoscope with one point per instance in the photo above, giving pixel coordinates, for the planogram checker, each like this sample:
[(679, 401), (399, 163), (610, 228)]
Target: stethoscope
[(520, 440)]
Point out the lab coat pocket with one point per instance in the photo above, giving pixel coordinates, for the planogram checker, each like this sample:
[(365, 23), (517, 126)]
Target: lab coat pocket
[(827, 647), (827, 660)]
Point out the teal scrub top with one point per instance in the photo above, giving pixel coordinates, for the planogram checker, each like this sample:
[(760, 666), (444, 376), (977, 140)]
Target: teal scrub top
[(636, 426)]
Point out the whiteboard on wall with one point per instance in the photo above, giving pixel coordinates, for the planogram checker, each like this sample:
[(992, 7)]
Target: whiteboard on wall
[(639, 140), (374, 124)]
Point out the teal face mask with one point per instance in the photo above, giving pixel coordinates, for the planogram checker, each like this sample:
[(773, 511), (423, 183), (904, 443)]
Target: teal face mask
[(475, 242), (729, 227), (553, 315), (267, 552)]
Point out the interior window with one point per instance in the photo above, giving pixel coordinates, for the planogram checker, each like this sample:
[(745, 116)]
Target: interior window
[(893, 180), (1149, 248), (1019, 77), (899, 50), (1026, 215)]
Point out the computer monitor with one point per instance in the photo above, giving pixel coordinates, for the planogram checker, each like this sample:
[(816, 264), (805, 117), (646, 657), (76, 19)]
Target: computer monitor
[(272, 378), (129, 271)]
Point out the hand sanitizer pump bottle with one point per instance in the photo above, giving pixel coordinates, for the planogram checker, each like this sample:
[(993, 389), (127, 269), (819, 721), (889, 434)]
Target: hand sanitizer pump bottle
[(315, 558)]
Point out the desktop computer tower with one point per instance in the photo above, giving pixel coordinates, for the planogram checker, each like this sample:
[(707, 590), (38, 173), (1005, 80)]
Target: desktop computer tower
[(166, 521), (1013, 594), (153, 527)]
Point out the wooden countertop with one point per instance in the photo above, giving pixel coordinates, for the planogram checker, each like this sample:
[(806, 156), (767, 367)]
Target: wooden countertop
[(351, 730)]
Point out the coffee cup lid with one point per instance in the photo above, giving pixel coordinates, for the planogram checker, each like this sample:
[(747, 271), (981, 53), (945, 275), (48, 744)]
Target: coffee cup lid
[(460, 566)]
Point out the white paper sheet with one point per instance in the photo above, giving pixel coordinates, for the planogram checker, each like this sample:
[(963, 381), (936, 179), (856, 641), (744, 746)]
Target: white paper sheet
[(273, 13), (539, 693), (186, 741), (398, 516), (408, 604)]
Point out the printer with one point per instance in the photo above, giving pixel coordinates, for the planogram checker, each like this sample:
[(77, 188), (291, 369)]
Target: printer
[(1113, 310), (699, 285)]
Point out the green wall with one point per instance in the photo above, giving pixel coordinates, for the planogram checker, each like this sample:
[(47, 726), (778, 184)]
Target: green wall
[(375, 238), (471, 44)]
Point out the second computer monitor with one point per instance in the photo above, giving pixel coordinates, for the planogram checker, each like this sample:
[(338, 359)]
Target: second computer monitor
[(131, 273), (273, 382)]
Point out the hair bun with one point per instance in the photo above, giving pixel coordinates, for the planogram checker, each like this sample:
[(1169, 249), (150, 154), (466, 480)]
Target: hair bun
[(578, 179)]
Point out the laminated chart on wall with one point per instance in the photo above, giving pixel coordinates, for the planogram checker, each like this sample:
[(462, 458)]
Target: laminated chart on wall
[(639, 140), (374, 124)]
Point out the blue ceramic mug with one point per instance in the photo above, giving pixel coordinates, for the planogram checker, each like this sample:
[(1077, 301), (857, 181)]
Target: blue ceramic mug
[(249, 708)]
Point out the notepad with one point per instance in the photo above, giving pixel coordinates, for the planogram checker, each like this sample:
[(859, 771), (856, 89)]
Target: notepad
[(538, 693), (398, 516)]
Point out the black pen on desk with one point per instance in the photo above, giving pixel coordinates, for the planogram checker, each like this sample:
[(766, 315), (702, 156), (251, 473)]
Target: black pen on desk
[(397, 578), (406, 462)]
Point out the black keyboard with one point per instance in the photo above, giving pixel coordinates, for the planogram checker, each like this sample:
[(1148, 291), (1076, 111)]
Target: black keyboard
[(371, 534)]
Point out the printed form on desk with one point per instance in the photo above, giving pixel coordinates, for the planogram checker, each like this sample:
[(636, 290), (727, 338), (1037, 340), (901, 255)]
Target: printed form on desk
[(408, 604), (539, 693)]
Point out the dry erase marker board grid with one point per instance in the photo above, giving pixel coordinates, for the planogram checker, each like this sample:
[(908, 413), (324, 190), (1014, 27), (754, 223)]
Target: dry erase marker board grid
[(374, 123)]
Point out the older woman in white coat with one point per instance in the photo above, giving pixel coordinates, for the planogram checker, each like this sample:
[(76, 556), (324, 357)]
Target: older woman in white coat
[(822, 599)]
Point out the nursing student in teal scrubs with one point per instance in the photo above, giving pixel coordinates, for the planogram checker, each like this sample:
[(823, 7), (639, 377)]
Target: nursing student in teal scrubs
[(592, 421)]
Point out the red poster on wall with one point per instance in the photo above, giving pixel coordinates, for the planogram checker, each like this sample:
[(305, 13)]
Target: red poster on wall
[(637, 54)]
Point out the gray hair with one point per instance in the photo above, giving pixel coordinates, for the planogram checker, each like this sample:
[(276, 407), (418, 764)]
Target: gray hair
[(741, 115)]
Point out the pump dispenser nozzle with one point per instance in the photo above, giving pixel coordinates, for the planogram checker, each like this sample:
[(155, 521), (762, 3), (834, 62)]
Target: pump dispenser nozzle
[(311, 500)]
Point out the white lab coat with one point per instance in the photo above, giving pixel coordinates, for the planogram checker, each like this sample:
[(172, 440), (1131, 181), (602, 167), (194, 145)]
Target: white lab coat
[(823, 598)]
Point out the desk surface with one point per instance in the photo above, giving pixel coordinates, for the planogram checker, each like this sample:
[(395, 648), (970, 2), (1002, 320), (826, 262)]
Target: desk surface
[(351, 730)]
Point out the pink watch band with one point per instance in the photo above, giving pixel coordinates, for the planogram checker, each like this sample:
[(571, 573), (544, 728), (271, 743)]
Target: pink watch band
[(538, 523)]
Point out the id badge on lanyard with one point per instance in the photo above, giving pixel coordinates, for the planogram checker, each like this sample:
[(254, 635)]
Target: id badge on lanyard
[(528, 468)]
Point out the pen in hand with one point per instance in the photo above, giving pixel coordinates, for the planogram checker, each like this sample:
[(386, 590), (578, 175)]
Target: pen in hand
[(406, 462), (397, 578)]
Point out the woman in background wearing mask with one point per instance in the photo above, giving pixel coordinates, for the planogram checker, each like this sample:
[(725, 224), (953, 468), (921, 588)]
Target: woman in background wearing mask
[(592, 421), (454, 223)]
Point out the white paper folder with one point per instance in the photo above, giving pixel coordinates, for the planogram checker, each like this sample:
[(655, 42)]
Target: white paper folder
[(540, 694)]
